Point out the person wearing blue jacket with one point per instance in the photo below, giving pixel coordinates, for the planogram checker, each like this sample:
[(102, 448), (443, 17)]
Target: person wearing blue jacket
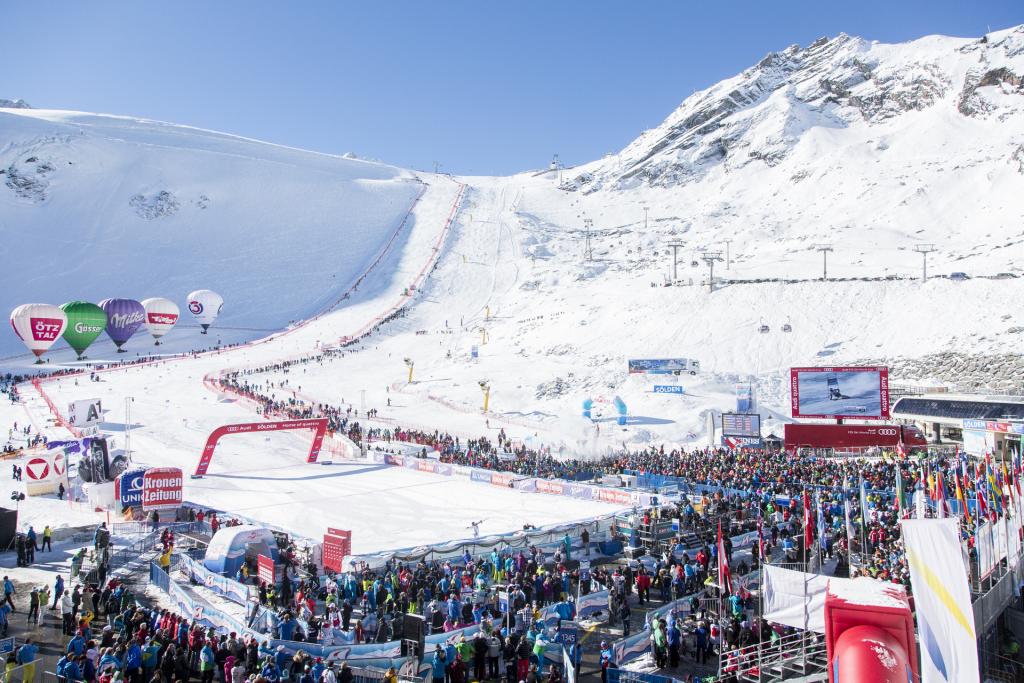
[(438, 665), (27, 659), (271, 672), (133, 663), (281, 658), (76, 646), (318, 669)]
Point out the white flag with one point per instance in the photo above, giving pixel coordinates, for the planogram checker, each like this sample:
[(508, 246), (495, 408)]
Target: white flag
[(945, 619)]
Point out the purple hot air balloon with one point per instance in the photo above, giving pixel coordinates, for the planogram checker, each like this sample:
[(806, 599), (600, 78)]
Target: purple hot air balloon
[(124, 316)]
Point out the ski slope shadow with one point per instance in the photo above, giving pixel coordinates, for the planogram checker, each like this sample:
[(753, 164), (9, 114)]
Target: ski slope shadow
[(308, 477)]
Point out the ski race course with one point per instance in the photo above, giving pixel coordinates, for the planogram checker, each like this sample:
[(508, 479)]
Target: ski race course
[(175, 404)]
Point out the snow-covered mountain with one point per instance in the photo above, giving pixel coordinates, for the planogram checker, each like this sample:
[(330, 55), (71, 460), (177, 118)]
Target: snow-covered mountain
[(95, 206), (765, 115), (873, 149)]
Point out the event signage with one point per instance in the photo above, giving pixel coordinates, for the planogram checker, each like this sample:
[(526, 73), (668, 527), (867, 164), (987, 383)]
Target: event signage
[(265, 570), (568, 633), (942, 600), (994, 426), (128, 488), (741, 424), (318, 425), (668, 389), (162, 488), (662, 366), (745, 402), (85, 413), (840, 392), (38, 469), (337, 545)]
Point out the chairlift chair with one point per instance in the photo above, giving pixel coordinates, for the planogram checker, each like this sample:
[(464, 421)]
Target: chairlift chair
[(787, 328), (764, 329)]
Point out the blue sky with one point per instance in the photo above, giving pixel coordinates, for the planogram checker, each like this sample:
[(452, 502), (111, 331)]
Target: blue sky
[(482, 87)]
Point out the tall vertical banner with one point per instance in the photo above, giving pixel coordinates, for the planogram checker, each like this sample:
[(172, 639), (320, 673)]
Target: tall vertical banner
[(945, 618)]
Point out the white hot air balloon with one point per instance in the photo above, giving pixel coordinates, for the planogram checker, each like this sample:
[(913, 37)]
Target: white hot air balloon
[(38, 325), (161, 314), (205, 306)]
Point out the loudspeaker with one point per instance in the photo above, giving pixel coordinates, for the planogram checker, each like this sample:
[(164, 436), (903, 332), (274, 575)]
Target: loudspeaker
[(8, 527)]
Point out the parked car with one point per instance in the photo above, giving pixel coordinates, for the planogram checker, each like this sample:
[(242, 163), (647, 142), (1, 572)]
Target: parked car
[(1003, 276), (959, 276)]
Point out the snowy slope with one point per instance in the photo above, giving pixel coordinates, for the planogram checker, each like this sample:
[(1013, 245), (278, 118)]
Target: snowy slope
[(871, 148), (95, 206)]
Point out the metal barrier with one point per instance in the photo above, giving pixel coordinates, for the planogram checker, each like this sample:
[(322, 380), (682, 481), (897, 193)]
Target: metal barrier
[(798, 654), (623, 676)]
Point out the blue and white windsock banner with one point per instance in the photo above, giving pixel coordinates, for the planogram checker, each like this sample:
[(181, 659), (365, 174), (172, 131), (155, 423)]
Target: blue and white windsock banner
[(945, 619)]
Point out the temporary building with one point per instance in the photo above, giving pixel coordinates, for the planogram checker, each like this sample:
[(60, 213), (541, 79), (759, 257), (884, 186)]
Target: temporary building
[(230, 547)]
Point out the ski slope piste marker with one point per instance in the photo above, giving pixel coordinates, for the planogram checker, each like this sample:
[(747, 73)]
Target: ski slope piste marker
[(319, 425)]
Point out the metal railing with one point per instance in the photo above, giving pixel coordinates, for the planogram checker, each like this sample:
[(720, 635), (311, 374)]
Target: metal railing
[(798, 654)]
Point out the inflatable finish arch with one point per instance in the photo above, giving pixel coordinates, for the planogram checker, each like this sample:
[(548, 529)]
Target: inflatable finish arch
[(319, 425)]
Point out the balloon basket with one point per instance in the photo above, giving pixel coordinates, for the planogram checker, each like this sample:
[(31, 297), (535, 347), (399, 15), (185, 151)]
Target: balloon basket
[(39, 361), (121, 351)]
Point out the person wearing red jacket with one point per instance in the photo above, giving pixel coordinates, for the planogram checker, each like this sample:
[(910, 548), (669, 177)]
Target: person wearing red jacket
[(643, 586)]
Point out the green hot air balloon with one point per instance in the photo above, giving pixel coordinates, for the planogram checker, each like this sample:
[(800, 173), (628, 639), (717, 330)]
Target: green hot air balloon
[(85, 322)]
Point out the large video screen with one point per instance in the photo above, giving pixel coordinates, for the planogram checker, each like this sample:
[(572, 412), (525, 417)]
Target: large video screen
[(850, 392), (741, 424)]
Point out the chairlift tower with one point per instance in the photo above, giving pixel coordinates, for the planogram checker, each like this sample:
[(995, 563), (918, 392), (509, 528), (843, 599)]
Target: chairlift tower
[(824, 249), (709, 257), (676, 246), (728, 261), (924, 250)]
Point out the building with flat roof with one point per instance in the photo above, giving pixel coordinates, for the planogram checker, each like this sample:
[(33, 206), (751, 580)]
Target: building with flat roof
[(978, 423)]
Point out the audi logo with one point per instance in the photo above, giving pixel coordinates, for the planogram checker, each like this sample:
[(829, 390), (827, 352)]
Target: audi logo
[(888, 432)]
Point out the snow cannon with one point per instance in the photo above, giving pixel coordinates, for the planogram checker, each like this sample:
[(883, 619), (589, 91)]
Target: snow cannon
[(620, 408), (869, 633), (588, 404)]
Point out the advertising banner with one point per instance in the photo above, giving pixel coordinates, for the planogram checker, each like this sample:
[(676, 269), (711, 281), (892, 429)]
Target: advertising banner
[(128, 488), (45, 472), (975, 442), (85, 413), (942, 601), (581, 491), (265, 570), (843, 392), (205, 614), (503, 479), (669, 389), (481, 476), (661, 366), (745, 401), (162, 488), (995, 426), (615, 496), (547, 486), (337, 546), (241, 593)]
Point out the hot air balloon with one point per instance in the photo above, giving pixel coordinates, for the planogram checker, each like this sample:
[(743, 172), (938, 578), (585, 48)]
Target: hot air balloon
[(161, 314), (205, 306), (38, 325), (124, 316), (85, 322)]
